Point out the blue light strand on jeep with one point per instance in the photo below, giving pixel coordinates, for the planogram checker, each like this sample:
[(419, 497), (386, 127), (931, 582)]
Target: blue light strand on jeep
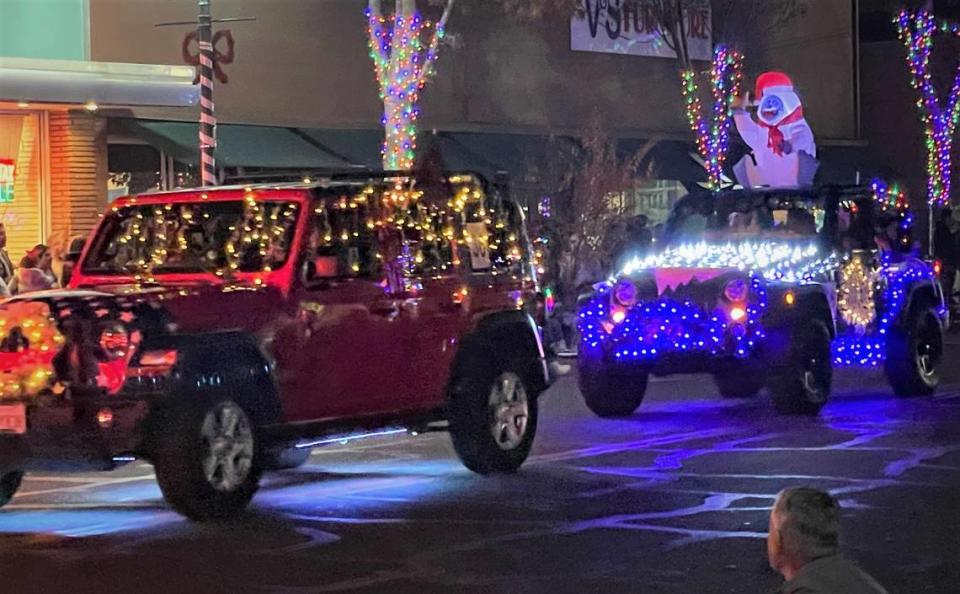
[(870, 349), (664, 326)]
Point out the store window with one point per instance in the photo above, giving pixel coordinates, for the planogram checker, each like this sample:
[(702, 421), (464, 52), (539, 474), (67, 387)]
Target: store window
[(21, 182)]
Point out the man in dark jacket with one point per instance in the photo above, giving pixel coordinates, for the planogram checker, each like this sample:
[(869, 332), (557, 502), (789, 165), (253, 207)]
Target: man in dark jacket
[(803, 546)]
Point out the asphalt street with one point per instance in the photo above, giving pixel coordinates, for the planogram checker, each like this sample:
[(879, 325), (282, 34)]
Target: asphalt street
[(674, 499)]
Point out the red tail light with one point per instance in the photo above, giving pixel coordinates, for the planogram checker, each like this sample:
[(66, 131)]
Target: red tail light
[(937, 267)]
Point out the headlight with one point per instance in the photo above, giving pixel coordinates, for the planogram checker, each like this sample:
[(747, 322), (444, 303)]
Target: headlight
[(736, 290), (625, 293), (115, 340)]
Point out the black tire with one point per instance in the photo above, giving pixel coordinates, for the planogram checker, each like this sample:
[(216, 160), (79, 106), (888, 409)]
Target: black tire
[(914, 352), (740, 381), (214, 492), (801, 384), (284, 458), (489, 437), (609, 394), (9, 484)]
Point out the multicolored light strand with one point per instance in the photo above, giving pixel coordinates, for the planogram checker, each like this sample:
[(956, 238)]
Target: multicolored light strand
[(402, 65), (916, 31), (713, 135), (889, 197)]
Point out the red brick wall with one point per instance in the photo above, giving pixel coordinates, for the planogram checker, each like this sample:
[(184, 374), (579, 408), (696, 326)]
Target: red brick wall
[(78, 173)]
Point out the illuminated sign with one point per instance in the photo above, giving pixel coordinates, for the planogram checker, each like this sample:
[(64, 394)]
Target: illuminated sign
[(7, 168)]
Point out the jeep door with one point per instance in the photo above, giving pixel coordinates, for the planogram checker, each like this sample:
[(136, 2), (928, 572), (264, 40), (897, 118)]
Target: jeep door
[(473, 272), (341, 351)]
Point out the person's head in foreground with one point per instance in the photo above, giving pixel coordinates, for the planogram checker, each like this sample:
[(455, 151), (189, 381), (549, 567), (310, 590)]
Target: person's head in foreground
[(804, 545)]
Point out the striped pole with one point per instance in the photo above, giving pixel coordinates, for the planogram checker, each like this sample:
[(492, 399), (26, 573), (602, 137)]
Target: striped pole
[(208, 121)]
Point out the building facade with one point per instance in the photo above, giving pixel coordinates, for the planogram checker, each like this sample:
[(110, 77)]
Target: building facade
[(301, 81), (53, 136)]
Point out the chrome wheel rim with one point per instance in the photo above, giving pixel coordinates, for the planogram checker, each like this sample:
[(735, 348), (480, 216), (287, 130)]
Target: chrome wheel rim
[(227, 440), (510, 410), (811, 382), (928, 350)]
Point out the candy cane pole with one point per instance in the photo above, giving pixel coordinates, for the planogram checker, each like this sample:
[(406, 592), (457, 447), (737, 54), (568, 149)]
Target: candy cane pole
[(208, 121)]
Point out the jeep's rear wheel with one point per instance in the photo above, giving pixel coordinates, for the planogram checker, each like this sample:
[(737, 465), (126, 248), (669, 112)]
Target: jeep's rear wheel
[(9, 484), (610, 394), (740, 381), (493, 420), (913, 355), (205, 462), (801, 385)]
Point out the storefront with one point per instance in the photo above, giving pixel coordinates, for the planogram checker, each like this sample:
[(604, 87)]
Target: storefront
[(53, 147), (54, 107)]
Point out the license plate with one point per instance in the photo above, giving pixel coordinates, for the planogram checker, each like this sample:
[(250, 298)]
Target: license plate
[(13, 418)]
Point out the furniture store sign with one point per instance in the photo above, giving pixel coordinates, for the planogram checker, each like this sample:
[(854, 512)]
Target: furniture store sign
[(7, 168), (631, 27)]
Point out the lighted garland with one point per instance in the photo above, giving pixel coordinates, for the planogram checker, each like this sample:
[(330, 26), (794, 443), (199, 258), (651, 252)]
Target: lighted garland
[(773, 260), (713, 135), (28, 353), (917, 30), (402, 65)]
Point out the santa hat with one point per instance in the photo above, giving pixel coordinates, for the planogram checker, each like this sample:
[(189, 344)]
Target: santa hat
[(778, 85)]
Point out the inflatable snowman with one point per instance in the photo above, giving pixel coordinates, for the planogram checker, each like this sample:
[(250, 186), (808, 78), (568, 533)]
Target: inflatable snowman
[(784, 150)]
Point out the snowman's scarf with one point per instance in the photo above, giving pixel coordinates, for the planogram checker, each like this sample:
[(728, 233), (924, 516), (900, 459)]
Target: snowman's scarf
[(775, 136)]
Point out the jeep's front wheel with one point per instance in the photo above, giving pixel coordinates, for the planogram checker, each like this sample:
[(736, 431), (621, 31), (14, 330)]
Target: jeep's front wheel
[(493, 420), (610, 394), (801, 384), (9, 484), (913, 355), (205, 461)]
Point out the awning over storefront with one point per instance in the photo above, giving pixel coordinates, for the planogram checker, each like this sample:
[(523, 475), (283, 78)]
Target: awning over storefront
[(103, 83), (668, 160), (260, 147)]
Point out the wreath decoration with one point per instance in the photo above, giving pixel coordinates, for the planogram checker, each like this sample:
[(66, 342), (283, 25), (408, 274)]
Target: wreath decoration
[(855, 301)]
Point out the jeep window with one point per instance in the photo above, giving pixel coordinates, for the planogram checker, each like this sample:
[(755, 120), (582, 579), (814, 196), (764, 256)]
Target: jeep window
[(493, 234), (216, 236), (745, 216), (342, 237)]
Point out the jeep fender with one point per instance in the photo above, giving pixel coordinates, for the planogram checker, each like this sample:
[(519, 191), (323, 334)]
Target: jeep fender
[(923, 294), (781, 319), (810, 303), (223, 363), (504, 338)]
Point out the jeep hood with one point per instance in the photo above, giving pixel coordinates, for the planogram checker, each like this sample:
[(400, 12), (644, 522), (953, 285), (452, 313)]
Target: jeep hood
[(773, 260)]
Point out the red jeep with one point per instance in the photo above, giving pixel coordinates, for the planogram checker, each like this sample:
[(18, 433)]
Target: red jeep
[(218, 333)]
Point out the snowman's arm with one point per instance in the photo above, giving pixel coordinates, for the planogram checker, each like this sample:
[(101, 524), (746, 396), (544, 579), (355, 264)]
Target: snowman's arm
[(748, 129)]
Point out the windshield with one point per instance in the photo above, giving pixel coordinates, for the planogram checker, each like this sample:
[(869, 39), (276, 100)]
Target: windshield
[(744, 216), (217, 237)]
